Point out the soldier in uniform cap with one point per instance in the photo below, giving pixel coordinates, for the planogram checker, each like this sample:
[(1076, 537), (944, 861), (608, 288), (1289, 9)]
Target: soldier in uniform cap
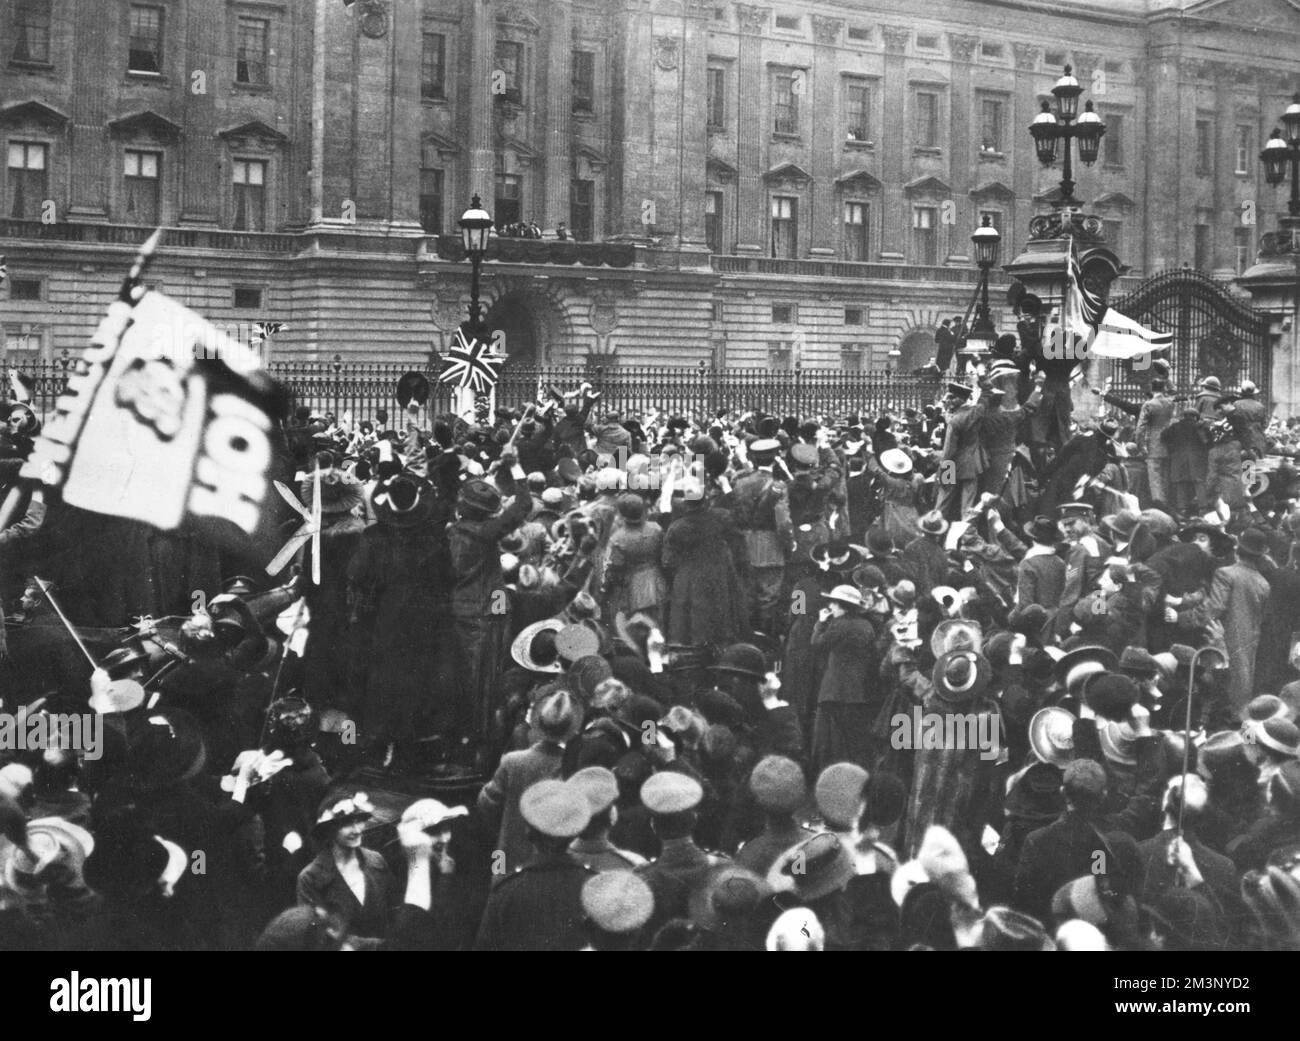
[(963, 458), (539, 908), (593, 847), (617, 905), (672, 799), (762, 512), (778, 786)]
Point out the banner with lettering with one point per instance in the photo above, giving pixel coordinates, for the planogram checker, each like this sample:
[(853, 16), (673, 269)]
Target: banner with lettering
[(170, 420)]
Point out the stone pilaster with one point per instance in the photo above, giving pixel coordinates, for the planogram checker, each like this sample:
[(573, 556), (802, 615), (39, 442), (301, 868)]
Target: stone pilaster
[(482, 156), (827, 129), (555, 132), (896, 219), (93, 68), (751, 197), (963, 117)]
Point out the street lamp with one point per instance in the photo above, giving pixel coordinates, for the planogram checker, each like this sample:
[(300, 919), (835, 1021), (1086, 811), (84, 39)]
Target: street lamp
[(475, 228), (1282, 151), (1050, 129), (983, 335)]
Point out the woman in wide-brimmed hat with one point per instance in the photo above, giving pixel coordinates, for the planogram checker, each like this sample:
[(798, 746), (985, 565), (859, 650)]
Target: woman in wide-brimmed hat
[(845, 639), (404, 651), (956, 784), (346, 878), (327, 657), (900, 484)]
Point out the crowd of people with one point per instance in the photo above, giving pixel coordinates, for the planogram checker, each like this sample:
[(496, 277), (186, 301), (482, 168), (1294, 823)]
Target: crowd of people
[(972, 675)]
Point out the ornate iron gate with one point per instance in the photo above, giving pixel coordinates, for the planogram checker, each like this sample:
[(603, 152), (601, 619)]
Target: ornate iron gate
[(1214, 333)]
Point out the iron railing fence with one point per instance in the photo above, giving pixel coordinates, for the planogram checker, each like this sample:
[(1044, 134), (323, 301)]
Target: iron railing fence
[(360, 390)]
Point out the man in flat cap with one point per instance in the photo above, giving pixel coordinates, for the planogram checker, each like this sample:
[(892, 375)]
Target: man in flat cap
[(672, 799), (539, 907)]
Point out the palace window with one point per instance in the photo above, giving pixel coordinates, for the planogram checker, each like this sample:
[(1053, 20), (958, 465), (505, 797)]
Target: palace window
[(250, 194), (252, 50), (433, 67), (27, 182), (856, 217), (145, 51), (141, 179), (32, 31)]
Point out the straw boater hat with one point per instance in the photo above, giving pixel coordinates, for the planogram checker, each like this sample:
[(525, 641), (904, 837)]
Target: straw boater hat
[(1051, 736), (961, 676), (1078, 664), (954, 634), (837, 555), (932, 523), (849, 596), (404, 501), (896, 462), (534, 648)]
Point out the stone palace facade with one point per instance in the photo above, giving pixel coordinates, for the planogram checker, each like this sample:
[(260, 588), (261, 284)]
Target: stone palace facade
[(757, 185)]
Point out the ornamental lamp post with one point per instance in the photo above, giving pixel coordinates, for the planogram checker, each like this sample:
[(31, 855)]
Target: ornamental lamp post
[(1050, 130), (1039, 274), (1282, 152), (475, 229), (983, 335), (1273, 281)]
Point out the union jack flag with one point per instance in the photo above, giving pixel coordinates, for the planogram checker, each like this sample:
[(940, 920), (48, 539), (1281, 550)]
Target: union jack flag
[(263, 331), (1083, 309), (470, 364)]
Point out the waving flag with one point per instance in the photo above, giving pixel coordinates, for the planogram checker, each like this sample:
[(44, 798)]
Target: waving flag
[(1118, 336), (169, 422), (470, 363), (263, 331), (1082, 309)]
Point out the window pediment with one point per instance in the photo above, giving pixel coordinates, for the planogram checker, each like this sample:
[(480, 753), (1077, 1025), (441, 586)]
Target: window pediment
[(147, 122), (33, 112)]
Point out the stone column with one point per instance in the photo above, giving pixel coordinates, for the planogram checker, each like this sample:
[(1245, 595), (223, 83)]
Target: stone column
[(962, 116), (896, 159), (1021, 147), (826, 129), (1163, 174), (751, 130), (554, 131), (201, 181), (94, 66), (482, 156), (692, 179), (638, 153)]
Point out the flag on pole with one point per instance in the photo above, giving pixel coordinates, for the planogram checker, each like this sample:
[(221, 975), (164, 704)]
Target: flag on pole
[(1082, 309), (20, 387), (1118, 336), (263, 331), (150, 432), (470, 363)]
